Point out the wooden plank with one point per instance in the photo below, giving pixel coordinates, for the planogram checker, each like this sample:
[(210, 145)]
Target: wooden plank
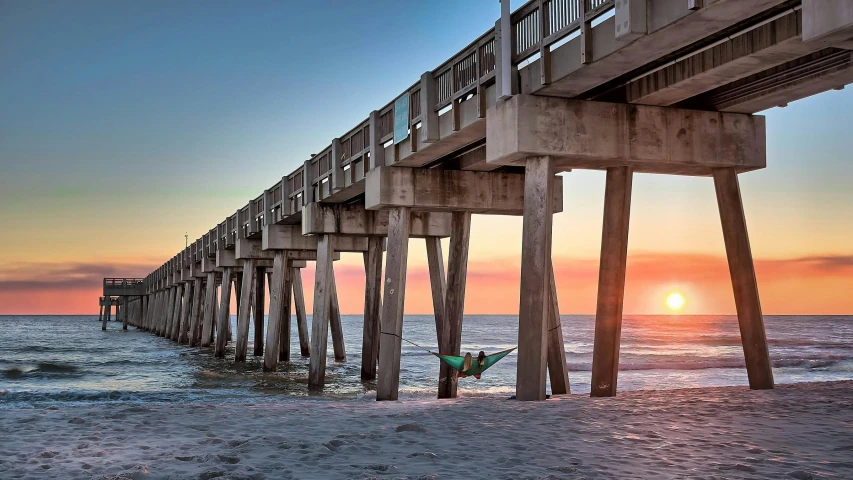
[(392, 307), (258, 309), (301, 313), (274, 322), (338, 345), (558, 370), (454, 302), (372, 305), (209, 302), (535, 277), (322, 306), (286, 321), (224, 314), (244, 310), (611, 282), (744, 284)]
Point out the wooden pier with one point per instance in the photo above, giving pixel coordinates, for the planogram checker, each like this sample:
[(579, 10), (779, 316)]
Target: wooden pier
[(626, 87)]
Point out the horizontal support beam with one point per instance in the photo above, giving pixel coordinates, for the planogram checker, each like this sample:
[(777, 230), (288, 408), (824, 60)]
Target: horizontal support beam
[(450, 190), (322, 218), (598, 135), (289, 237), (228, 258)]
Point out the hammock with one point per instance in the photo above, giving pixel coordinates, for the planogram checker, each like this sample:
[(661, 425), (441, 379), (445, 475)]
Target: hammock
[(476, 368)]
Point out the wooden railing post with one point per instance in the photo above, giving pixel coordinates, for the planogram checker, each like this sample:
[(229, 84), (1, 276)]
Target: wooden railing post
[(586, 33), (377, 152)]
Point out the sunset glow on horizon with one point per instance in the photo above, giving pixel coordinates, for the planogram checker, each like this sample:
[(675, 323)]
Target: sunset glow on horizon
[(107, 162)]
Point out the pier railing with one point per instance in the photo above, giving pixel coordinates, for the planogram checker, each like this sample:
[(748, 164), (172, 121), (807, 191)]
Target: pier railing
[(535, 28), (114, 287)]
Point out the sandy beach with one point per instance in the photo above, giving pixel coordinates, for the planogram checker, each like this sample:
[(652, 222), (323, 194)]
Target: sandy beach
[(797, 431)]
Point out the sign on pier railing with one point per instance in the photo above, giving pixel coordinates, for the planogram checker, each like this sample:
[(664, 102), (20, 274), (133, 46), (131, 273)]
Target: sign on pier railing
[(401, 118)]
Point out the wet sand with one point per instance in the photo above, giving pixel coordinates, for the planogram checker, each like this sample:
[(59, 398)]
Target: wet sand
[(796, 431)]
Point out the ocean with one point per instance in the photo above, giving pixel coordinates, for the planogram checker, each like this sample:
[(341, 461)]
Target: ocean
[(53, 361)]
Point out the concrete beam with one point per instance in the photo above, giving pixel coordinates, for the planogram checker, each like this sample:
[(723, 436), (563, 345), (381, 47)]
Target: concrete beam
[(289, 237), (228, 258), (597, 135), (246, 249), (450, 190), (828, 23), (671, 26), (741, 55), (321, 218)]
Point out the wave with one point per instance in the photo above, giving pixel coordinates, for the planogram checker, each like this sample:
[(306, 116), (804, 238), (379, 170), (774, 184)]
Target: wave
[(43, 369), (705, 364)]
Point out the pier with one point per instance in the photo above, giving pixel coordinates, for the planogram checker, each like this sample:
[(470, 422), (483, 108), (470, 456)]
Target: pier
[(626, 87)]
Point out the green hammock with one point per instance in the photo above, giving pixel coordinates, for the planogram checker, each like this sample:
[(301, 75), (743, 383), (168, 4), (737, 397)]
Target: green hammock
[(458, 363)]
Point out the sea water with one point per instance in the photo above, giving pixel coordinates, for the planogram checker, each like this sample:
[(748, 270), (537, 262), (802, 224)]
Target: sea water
[(67, 360)]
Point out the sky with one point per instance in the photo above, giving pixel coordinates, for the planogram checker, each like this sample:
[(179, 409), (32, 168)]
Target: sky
[(125, 125)]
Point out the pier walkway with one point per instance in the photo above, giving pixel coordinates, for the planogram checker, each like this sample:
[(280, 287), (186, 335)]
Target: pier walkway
[(624, 86)]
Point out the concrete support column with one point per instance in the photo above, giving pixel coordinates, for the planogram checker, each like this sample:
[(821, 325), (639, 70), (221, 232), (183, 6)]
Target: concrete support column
[(534, 306), (244, 310), (742, 270), (172, 334), (190, 337), (101, 309), (124, 312), (275, 316), (322, 308), (338, 346), (284, 338), (106, 317), (144, 313), (558, 370), (209, 302), (186, 311), (611, 282), (258, 310), (224, 314), (392, 306), (454, 302), (301, 312), (372, 305)]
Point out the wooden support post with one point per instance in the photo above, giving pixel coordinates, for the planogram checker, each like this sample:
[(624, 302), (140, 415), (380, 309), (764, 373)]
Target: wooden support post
[(742, 271), (535, 279), (372, 304), (209, 302), (558, 370), (224, 314), (275, 316), (190, 337), (454, 300), (259, 308), (301, 312), (107, 311), (338, 345), (611, 282), (244, 310), (101, 309), (392, 306), (284, 342), (322, 308)]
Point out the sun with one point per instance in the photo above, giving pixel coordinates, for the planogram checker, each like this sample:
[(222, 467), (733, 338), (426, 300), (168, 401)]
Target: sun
[(675, 301)]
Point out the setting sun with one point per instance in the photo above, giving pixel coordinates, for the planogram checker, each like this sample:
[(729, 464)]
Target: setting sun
[(675, 301)]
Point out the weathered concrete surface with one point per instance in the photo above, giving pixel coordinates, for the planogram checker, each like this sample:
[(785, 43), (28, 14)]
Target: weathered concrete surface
[(596, 135), (451, 190), (289, 237), (246, 249), (828, 23), (742, 55), (319, 218), (671, 26)]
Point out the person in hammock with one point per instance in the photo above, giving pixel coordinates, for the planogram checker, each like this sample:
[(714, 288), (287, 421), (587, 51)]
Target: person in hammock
[(469, 361)]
